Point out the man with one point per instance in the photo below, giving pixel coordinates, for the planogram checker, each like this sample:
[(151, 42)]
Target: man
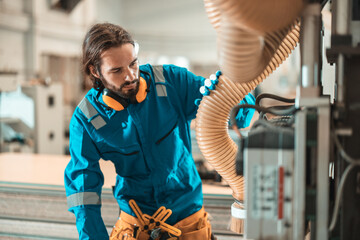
[(138, 117)]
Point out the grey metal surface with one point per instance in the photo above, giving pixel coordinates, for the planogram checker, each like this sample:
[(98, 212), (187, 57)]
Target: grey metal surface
[(322, 204), (299, 175)]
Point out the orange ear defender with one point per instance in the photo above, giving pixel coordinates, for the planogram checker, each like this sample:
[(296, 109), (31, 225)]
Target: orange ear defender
[(119, 103)]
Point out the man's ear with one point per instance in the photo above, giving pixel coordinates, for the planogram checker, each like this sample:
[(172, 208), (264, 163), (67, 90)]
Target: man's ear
[(93, 71)]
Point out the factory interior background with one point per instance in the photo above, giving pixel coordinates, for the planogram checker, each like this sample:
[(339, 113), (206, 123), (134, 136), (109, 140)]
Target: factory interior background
[(42, 83)]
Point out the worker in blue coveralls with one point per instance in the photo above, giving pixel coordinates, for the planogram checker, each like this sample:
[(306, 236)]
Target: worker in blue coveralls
[(138, 117)]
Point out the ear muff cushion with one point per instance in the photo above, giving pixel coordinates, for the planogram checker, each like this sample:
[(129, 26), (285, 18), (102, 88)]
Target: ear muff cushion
[(141, 95), (117, 103), (111, 102)]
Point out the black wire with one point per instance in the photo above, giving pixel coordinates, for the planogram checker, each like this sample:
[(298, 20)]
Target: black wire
[(278, 112), (262, 114), (272, 96), (270, 125), (280, 107)]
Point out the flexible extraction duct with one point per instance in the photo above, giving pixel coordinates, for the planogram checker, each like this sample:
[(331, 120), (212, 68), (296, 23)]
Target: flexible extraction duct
[(259, 15), (252, 42), (213, 13)]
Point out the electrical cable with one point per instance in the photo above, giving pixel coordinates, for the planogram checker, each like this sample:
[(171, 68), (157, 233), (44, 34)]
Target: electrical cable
[(338, 196), (280, 107), (234, 111), (352, 163), (273, 96), (262, 114), (270, 126), (280, 112), (347, 158)]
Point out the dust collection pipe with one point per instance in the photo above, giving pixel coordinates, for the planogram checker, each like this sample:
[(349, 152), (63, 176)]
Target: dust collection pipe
[(252, 43)]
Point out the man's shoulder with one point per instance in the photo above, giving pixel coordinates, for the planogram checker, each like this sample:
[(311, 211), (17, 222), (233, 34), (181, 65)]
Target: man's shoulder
[(90, 96), (86, 104), (145, 67), (165, 67)]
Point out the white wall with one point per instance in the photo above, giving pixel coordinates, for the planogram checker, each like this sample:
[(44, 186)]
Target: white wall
[(11, 50), (110, 11), (171, 28), (13, 23), (30, 30), (59, 33)]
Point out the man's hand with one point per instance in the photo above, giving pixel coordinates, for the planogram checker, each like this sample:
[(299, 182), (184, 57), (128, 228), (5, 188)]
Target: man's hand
[(209, 85)]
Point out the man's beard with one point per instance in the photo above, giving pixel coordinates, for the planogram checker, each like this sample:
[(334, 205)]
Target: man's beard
[(128, 94)]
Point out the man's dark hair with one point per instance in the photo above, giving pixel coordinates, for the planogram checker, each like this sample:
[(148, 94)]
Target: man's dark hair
[(99, 38)]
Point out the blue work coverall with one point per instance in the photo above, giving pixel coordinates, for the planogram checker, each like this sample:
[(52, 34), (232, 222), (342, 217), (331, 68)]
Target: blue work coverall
[(149, 144)]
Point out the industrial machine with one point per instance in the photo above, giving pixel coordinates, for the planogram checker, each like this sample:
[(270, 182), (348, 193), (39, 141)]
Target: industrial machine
[(36, 124), (300, 162), (302, 174)]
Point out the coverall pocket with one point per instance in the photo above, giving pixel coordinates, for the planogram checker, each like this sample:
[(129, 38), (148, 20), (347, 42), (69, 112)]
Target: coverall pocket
[(166, 134), (128, 161), (169, 146)]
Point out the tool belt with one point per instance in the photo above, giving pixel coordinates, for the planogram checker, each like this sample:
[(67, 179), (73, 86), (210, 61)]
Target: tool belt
[(146, 227)]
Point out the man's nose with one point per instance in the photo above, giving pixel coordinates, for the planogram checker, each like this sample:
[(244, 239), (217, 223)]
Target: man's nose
[(130, 75)]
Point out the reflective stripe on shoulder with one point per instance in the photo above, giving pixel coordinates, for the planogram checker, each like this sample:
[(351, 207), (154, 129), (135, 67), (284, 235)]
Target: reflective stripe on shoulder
[(159, 80), (83, 198), (90, 112)]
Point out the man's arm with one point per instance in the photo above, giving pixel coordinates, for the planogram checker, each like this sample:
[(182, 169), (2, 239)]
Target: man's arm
[(83, 183), (244, 116), (187, 86)]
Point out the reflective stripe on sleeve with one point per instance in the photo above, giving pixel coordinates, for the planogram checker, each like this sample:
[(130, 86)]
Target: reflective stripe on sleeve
[(160, 81), (98, 122), (83, 198), (161, 90), (90, 112)]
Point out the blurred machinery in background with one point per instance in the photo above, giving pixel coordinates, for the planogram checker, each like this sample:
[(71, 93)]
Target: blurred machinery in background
[(300, 162), (48, 132), (35, 124), (302, 170)]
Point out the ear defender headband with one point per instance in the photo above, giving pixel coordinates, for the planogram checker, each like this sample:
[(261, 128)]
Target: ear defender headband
[(119, 103)]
